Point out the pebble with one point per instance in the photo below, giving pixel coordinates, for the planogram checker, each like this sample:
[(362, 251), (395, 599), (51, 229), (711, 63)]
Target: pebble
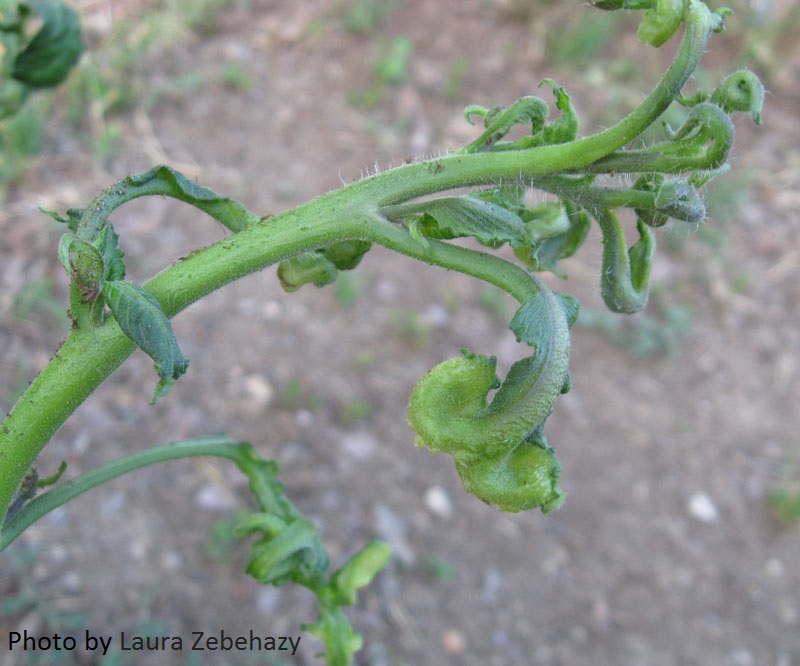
[(491, 585), (171, 561), (774, 568), (359, 445), (304, 418), (702, 509), (453, 642), (437, 501), (72, 581), (742, 658), (435, 315), (113, 503), (258, 390), (212, 497), (392, 528), (268, 599)]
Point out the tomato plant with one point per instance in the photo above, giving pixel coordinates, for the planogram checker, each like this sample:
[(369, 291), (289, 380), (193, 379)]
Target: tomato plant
[(498, 444)]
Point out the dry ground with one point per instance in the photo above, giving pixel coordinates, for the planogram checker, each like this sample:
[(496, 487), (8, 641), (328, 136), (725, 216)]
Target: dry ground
[(665, 552)]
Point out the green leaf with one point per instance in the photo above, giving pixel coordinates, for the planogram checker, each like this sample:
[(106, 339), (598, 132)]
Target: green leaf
[(661, 21), (346, 255), (680, 200), (79, 256), (309, 267), (71, 219), (565, 128), (500, 122), (741, 91), (526, 477), (293, 554), (54, 50), (107, 244), (532, 322), (359, 571), (449, 412), (335, 631), (141, 318), (546, 255), (454, 217), (165, 180), (84, 264), (546, 220)]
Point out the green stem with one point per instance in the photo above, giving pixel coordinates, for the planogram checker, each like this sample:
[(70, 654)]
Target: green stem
[(219, 447), (89, 356)]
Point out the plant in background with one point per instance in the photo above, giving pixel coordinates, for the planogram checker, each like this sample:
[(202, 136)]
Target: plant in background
[(34, 61), (40, 42), (498, 445)]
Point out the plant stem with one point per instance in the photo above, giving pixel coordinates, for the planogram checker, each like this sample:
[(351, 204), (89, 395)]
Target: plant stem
[(89, 355), (220, 447)]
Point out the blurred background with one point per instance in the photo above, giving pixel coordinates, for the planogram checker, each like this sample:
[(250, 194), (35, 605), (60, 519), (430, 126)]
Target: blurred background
[(679, 541)]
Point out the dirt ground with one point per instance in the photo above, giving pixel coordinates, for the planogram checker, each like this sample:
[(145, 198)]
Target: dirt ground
[(665, 553)]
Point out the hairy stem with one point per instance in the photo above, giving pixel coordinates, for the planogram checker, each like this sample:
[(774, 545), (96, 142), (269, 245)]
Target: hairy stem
[(90, 354)]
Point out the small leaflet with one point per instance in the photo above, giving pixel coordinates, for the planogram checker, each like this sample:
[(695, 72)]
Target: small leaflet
[(166, 180), (141, 318), (489, 223)]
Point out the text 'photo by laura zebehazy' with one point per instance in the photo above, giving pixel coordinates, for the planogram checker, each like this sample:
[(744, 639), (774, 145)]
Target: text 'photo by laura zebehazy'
[(198, 641)]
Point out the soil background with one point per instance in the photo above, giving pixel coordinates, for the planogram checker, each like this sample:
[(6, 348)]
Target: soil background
[(681, 422)]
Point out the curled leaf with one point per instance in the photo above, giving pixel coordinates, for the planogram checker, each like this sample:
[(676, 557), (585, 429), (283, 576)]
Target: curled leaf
[(679, 200), (359, 571), (286, 555), (545, 220), (107, 243), (71, 219), (321, 267), (526, 477), (661, 21), (450, 412), (475, 110), (674, 198), (546, 253), (346, 255), (650, 182), (166, 180), (626, 272), (741, 91), (564, 128), (82, 261), (499, 121), (141, 318), (456, 217), (706, 135), (306, 268), (701, 143)]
